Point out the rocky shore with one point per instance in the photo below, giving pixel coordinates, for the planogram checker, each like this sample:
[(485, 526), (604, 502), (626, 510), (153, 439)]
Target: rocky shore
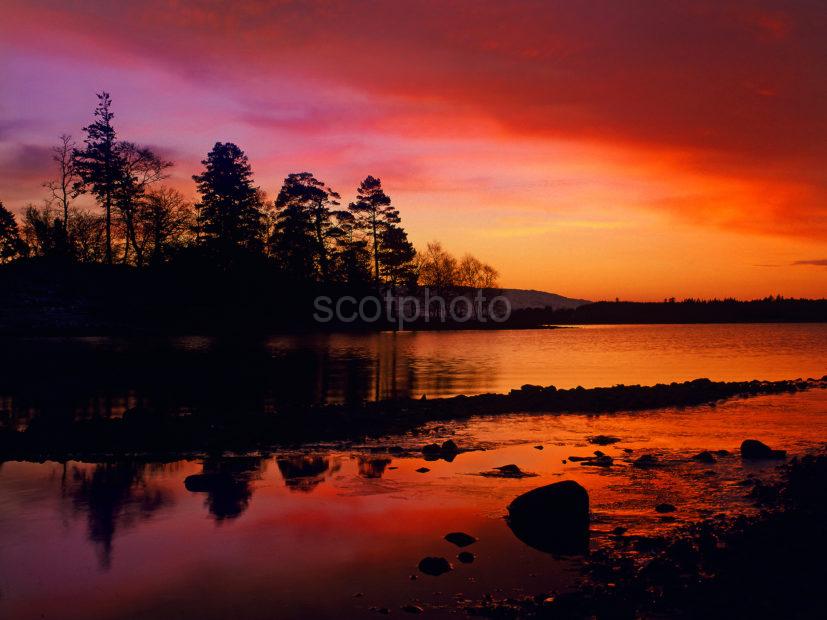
[(161, 433), (766, 566)]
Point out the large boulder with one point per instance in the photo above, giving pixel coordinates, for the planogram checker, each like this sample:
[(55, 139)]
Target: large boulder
[(553, 518), (753, 449)]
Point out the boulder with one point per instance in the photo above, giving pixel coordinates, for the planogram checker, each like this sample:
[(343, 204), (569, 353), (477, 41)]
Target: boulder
[(752, 449), (435, 566), (553, 518)]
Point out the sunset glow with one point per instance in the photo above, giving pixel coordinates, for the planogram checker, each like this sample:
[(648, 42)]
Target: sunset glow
[(599, 150)]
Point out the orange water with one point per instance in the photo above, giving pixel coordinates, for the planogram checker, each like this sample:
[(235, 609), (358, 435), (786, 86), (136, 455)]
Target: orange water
[(331, 531)]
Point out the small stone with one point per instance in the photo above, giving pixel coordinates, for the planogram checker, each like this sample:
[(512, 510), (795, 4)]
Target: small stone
[(466, 557), (619, 531), (646, 461), (538, 447), (704, 457), (664, 507), (603, 440), (423, 470), (412, 609), (460, 539)]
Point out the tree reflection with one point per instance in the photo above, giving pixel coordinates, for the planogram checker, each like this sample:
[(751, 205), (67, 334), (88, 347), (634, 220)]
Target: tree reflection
[(372, 467), (305, 472), (226, 481), (113, 496)]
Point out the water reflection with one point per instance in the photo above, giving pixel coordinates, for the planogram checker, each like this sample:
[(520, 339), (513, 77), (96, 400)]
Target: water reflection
[(226, 481), (111, 496), (301, 532), (71, 378), (304, 473), (372, 467)]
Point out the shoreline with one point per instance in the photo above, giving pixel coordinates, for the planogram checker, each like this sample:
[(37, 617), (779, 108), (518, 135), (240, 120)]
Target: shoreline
[(720, 567), (156, 434)]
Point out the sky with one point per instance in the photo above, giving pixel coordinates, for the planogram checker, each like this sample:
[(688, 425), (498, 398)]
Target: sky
[(603, 149)]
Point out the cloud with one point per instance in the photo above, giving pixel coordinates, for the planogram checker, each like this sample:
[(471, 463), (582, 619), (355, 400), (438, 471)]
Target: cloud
[(724, 101)]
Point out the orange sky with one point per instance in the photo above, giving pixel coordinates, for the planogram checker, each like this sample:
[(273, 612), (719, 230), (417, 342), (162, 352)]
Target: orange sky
[(636, 150)]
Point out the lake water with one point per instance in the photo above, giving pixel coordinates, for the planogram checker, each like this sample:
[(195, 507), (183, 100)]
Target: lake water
[(338, 530), (106, 376)]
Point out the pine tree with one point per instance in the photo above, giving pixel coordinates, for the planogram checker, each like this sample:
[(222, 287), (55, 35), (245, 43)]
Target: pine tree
[(305, 227), (11, 245), (99, 165), (374, 215), (229, 214)]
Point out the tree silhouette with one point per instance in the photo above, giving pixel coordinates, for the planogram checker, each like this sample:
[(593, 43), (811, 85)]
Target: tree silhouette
[(305, 226), (352, 258), (11, 245), (141, 169), (374, 215), (229, 214), (164, 222), (99, 164), (43, 232), (397, 256), (64, 189)]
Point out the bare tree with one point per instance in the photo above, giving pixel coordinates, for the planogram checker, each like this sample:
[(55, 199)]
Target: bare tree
[(141, 168), (473, 273), (437, 268), (164, 221), (65, 188)]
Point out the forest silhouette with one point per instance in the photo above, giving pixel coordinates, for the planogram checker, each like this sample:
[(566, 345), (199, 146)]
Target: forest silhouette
[(143, 256)]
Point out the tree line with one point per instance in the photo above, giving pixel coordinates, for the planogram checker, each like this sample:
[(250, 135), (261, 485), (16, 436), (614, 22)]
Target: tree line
[(306, 231)]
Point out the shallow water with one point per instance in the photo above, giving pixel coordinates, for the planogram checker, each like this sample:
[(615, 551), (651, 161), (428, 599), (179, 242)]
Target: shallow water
[(106, 376), (339, 529)]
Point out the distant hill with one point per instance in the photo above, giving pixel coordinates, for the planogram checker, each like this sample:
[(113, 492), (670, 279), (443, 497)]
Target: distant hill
[(522, 299)]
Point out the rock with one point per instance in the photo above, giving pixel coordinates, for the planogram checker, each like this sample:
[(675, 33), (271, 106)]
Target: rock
[(646, 461), (412, 609), (722, 452), (450, 446), (752, 449), (662, 508), (423, 470), (619, 531), (435, 566), (603, 440), (466, 557), (553, 518), (598, 461), (432, 448), (460, 539), (538, 447), (704, 457), (508, 471)]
